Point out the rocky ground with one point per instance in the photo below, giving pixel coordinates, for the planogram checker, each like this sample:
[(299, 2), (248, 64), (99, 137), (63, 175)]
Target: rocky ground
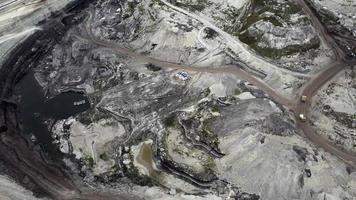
[(334, 113), (166, 133), (340, 19), (11, 190), (276, 30), (252, 160)]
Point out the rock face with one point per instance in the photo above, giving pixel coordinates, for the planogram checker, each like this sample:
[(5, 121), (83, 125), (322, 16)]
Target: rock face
[(343, 14), (275, 37), (340, 20), (244, 114), (277, 28)]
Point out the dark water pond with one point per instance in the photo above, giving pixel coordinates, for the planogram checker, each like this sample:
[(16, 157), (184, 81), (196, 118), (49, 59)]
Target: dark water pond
[(36, 109)]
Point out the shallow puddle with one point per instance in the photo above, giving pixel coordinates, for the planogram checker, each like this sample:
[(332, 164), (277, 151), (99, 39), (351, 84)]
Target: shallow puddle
[(145, 158)]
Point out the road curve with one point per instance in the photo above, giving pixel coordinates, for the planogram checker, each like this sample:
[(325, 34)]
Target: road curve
[(315, 84), (238, 47), (325, 35), (64, 188), (309, 89), (227, 69)]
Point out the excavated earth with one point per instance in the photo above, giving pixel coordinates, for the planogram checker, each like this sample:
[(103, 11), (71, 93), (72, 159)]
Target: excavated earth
[(113, 99)]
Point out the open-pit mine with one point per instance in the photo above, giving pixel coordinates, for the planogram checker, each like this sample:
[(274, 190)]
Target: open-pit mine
[(178, 99)]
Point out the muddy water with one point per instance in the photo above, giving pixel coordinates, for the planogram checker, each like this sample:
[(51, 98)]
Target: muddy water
[(35, 109), (145, 158)]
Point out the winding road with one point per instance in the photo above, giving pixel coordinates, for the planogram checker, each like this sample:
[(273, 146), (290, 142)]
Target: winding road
[(64, 188), (228, 69), (309, 89), (238, 47), (316, 83)]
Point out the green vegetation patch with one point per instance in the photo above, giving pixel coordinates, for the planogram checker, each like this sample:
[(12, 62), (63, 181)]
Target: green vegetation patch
[(275, 53), (89, 161), (180, 148), (131, 6), (134, 175), (104, 156), (215, 108), (210, 164), (170, 121), (237, 91), (277, 13), (208, 137), (193, 5), (281, 12)]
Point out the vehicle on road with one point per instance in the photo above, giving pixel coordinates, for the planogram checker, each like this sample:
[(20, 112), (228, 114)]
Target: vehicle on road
[(302, 117), (303, 98)]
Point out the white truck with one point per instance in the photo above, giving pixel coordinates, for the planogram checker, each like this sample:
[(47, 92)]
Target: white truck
[(302, 117)]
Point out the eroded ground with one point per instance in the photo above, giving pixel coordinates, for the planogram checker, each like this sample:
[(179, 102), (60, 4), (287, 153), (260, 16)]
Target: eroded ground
[(187, 100), (334, 113)]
